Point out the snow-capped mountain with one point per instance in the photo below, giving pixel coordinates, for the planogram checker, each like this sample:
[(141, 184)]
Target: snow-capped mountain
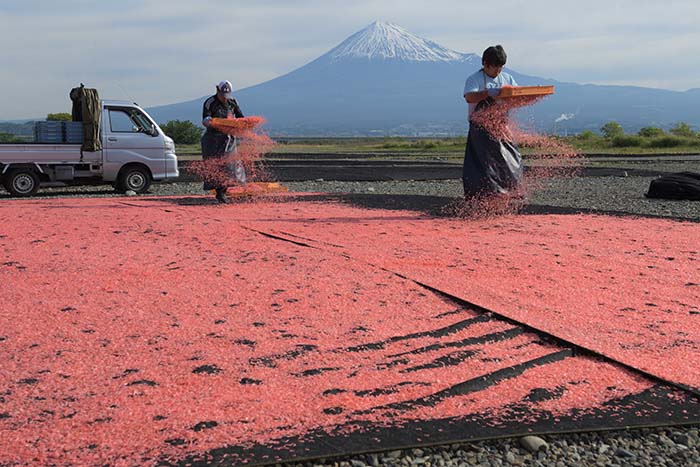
[(382, 40), (380, 80), (383, 80)]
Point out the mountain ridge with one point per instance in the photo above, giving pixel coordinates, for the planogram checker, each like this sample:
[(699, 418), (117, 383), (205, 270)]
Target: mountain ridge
[(383, 80)]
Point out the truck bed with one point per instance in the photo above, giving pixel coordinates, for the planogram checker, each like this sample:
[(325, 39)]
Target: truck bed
[(44, 153)]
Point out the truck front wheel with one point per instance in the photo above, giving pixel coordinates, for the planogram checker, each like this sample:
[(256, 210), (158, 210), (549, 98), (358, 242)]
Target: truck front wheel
[(21, 182), (134, 178)]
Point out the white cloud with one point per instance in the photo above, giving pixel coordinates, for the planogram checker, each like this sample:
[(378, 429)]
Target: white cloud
[(160, 52)]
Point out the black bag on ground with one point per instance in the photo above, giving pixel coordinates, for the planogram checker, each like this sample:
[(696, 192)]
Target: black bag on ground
[(491, 166), (681, 185)]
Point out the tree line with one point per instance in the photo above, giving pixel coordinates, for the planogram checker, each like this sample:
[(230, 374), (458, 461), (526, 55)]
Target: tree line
[(680, 134)]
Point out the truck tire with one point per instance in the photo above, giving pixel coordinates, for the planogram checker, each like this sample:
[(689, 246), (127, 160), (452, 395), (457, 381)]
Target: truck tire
[(135, 178), (21, 182)]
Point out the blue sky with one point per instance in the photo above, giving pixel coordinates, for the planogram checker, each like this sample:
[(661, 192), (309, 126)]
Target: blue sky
[(161, 52)]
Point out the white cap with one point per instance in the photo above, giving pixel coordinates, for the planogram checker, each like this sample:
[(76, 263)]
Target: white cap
[(225, 88)]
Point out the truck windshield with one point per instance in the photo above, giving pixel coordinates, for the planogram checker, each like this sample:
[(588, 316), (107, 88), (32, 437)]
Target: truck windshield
[(122, 120)]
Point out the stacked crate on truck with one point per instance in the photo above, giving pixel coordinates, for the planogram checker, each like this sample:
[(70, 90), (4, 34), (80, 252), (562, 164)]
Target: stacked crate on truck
[(51, 132), (48, 132), (73, 132)]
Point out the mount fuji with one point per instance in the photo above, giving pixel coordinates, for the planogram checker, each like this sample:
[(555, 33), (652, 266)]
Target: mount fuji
[(383, 80), (386, 41)]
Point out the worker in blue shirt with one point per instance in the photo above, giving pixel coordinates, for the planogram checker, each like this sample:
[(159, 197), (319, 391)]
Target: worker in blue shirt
[(491, 166)]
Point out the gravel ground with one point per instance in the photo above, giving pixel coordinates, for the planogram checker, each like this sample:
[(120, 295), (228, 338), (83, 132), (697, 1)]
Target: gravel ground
[(675, 446), (604, 194), (644, 447), (612, 195), (661, 165), (615, 195)]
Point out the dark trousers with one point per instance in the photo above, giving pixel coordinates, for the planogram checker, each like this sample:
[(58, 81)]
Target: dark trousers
[(490, 166), (214, 146)]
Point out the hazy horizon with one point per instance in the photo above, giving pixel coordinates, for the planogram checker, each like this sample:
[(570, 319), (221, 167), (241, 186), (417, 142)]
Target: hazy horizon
[(158, 52)]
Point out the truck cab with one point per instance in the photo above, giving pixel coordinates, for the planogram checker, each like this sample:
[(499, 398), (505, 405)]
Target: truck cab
[(131, 139)]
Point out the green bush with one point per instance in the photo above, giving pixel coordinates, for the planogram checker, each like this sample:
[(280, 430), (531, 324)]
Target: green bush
[(425, 144), (669, 142), (682, 129), (9, 138), (59, 117), (182, 132), (586, 135), (626, 141), (612, 129), (651, 132)]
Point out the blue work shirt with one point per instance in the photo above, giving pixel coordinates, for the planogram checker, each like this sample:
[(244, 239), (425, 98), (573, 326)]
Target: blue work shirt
[(480, 81)]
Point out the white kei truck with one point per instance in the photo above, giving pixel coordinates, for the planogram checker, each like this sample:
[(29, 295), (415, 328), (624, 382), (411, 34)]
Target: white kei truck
[(132, 151)]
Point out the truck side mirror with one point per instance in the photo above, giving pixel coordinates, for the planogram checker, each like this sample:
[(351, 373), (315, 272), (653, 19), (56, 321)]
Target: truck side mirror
[(149, 130)]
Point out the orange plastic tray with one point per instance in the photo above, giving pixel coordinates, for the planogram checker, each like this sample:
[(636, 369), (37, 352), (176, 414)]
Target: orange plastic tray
[(241, 124), (516, 91), (254, 188)]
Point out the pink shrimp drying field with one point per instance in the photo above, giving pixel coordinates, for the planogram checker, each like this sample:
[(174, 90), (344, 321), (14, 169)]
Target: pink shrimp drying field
[(171, 331)]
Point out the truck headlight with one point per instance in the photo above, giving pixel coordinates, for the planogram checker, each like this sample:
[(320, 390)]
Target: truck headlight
[(170, 145)]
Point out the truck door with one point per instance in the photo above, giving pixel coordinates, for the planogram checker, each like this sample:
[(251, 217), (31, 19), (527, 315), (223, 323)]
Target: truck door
[(129, 137)]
